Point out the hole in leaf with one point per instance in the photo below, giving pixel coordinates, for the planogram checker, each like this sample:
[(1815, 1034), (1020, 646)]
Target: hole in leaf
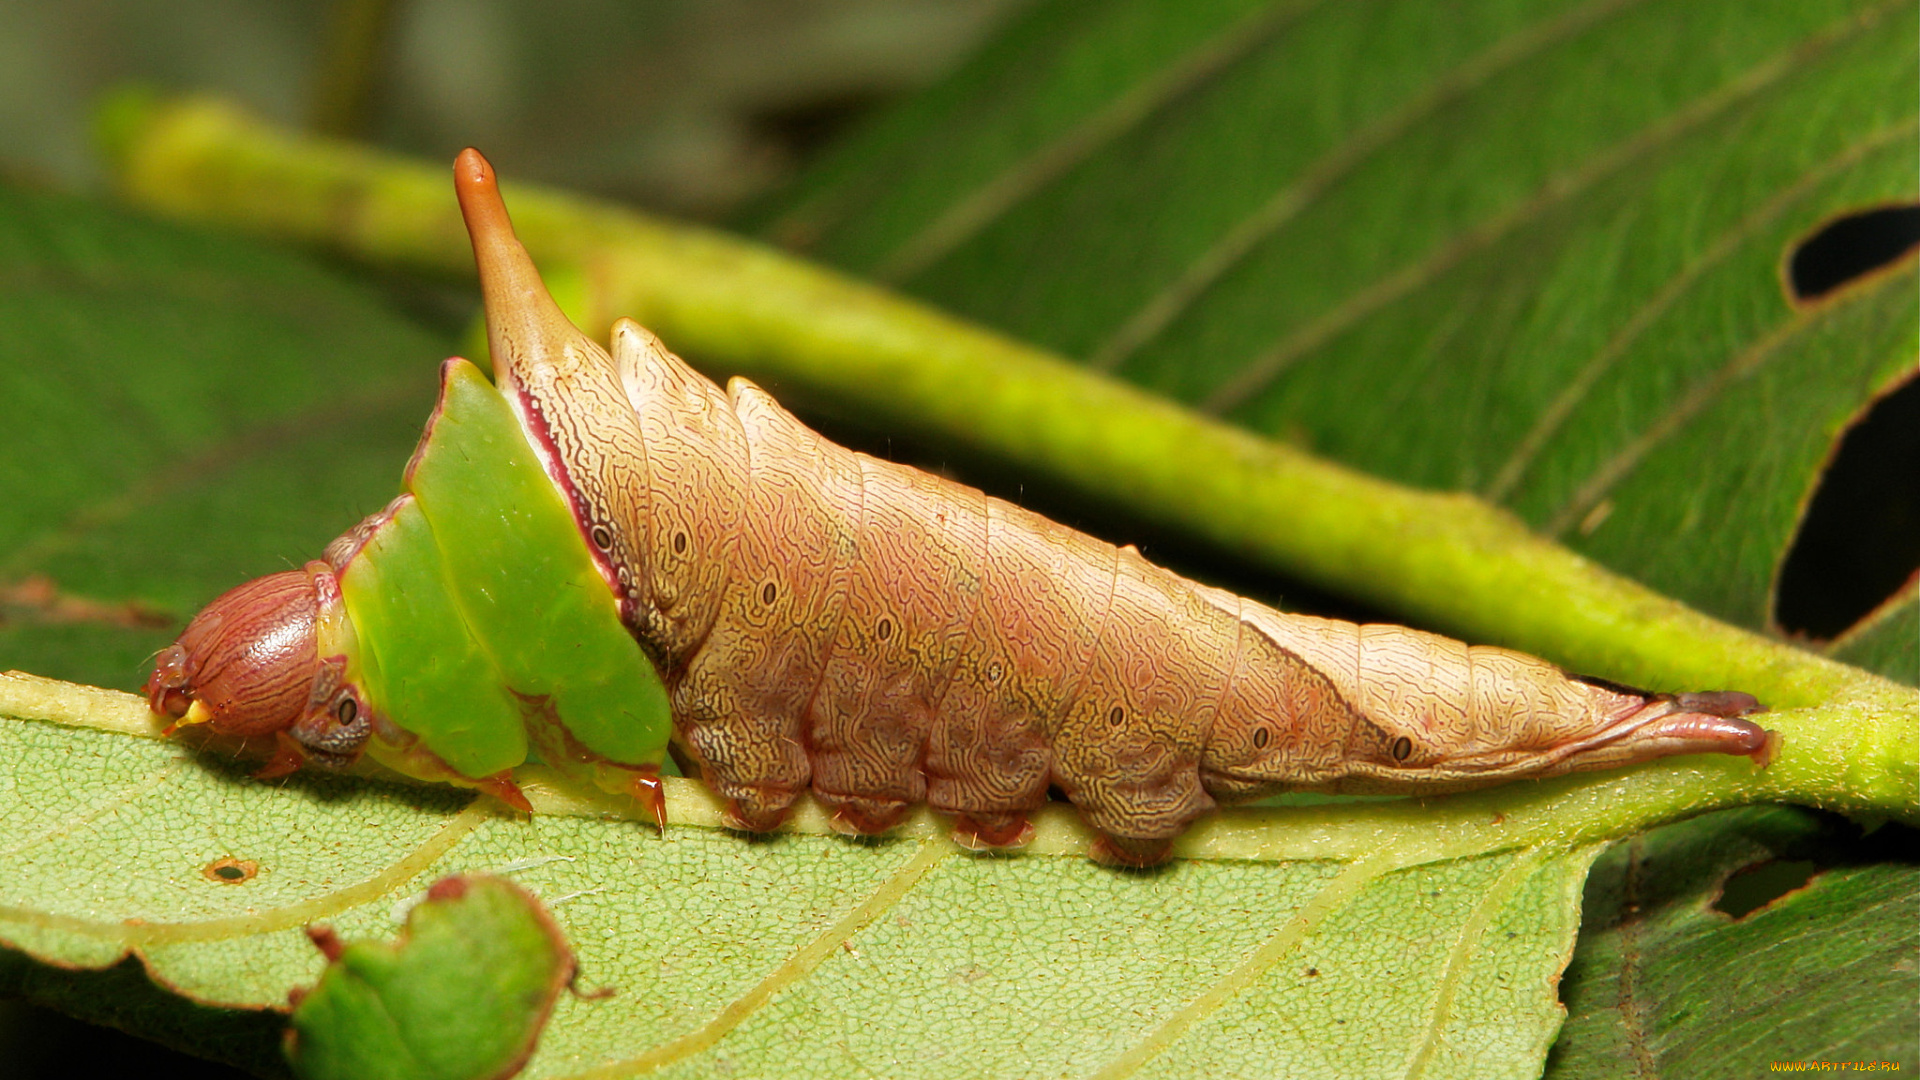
[(230, 871), (1859, 541), (1849, 247), (1751, 888)]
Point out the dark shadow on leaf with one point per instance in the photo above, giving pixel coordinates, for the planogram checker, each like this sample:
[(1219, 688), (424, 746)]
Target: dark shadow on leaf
[(1672, 952), (1691, 862), (1751, 888), (122, 997), (233, 763), (1834, 842)]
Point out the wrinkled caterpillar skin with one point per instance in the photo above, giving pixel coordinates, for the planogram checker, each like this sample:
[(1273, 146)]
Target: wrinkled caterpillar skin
[(831, 623)]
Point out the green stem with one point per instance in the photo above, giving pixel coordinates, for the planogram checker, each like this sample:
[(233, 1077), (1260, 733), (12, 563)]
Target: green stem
[(1445, 560)]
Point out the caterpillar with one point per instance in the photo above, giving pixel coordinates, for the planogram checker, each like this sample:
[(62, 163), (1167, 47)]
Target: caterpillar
[(602, 552)]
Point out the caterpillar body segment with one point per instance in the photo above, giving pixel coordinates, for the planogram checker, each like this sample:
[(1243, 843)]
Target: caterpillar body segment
[(823, 621), (1472, 715)]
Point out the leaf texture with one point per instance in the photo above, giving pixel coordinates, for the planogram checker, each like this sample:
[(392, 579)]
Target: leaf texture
[(1667, 985), (194, 410), (808, 954)]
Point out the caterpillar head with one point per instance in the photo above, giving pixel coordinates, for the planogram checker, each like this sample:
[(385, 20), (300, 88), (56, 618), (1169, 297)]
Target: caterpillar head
[(249, 666)]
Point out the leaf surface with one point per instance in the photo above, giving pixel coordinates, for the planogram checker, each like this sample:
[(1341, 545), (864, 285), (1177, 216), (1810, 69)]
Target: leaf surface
[(1885, 640), (1825, 972), (1303, 939), (195, 410)]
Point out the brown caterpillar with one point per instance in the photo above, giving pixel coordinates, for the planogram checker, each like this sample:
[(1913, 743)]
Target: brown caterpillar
[(829, 622)]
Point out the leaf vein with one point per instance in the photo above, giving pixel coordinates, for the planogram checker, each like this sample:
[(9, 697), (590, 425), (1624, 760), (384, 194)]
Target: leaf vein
[(964, 219), (1336, 892), (790, 971), (172, 475), (1629, 1009), (115, 801), (139, 935), (1152, 318), (1563, 405), (1704, 393), (1472, 932), (1268, 365)]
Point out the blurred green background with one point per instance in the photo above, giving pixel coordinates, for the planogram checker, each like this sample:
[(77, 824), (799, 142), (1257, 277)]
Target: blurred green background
[(692, 107)]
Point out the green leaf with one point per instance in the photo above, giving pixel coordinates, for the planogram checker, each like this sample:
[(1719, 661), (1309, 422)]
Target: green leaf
[(461, 995), (192, 410), (1884, 641), (1384, 939), (1825, 972)]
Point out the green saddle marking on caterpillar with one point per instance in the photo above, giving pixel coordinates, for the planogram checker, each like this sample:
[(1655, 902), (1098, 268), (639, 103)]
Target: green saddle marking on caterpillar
[(482, 590)]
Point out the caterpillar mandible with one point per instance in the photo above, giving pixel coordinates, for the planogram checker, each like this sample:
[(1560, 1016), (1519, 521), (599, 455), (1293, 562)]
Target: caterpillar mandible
[(603, 550)]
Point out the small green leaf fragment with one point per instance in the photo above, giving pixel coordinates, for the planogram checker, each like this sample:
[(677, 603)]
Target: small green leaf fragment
[(462, 994)]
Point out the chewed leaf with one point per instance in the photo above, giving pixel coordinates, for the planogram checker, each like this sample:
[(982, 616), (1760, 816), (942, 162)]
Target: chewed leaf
[(462, 995), (1856, 550)]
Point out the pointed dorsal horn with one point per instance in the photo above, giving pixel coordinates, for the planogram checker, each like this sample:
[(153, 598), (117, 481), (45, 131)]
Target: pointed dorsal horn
[(523, 322)]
